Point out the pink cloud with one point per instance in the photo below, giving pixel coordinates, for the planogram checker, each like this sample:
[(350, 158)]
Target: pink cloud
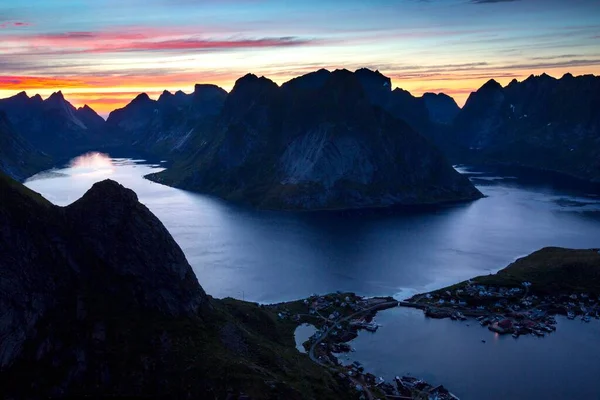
[(14, 24), (200, 44), (141, 39)]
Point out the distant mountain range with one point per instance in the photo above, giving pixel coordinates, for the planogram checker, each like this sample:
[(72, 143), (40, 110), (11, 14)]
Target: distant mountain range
[(53, 125), (327, 139), (316, 142), (169, 125), (542, 122)]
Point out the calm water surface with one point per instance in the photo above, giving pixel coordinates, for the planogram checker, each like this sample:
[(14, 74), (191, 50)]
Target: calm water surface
[(560, 366), (269, 256)]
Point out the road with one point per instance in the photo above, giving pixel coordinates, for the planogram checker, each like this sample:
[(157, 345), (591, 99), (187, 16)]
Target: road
[(311, 352)]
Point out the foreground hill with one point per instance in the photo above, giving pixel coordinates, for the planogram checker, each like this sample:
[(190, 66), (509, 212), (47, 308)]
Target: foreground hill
[(18, 158), (319, 141), (542, 122), (98, 300)]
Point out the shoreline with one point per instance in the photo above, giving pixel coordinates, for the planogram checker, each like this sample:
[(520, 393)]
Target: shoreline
[(337, 319)]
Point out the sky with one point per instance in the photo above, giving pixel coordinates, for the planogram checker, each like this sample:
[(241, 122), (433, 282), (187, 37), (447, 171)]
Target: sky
[(104, 52)]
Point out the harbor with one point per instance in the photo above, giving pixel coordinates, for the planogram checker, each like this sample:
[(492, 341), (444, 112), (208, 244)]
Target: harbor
[(343, 323), (337, 319), (464, 357)]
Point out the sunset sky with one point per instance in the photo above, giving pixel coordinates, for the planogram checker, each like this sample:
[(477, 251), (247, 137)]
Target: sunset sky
[(104, 52)]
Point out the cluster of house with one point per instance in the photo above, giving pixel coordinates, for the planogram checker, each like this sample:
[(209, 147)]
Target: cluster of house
[(319, 303), (510, 310), (537, 323), (405, 387)]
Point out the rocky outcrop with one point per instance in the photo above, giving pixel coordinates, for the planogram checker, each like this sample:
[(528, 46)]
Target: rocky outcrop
[(442, 108), (98, 300), (430, 115), (542, 122), (320, 141), (53, 125), (169, 126), (90, 118), (18, 159)]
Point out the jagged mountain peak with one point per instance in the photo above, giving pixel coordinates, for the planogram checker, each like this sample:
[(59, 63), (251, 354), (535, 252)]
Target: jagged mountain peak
[(441, 108), (342, 71), (436, 95), (253, 79), (539, 78), (56, 96), (252, 84), (399, 90), (373, 79), (57, 100), (141, 98), (20, 95), (90, 117), (165, 95), (310, 81), (513, 82), (492, 84), (368, 71)]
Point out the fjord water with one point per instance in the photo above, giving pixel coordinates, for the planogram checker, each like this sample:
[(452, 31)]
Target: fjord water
[(270, 256)]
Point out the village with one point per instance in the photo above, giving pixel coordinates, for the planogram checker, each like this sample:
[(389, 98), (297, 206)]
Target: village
[(505, 310), (338, 318)]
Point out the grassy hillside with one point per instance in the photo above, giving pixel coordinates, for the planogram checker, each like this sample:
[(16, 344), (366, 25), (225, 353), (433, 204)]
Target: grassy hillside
[(551, 270)]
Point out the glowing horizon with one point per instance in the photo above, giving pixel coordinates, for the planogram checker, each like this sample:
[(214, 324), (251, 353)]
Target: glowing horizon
[(96, 56)]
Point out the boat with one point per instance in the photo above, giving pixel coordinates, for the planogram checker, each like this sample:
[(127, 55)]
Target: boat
[(586, 318), (371, 327), (515, 335), (570, 315)]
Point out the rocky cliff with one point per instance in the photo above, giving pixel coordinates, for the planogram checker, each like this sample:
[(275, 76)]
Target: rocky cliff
[(98, 300), (542, 122), (18, 158), (320, 141)]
